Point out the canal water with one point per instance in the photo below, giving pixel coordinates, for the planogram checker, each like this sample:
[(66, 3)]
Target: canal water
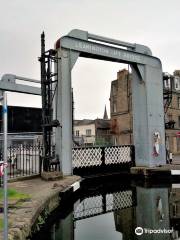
[(115, 211)]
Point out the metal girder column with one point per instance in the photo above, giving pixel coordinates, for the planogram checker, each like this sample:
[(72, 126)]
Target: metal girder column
[(64, 112), (152, 213), (148, 116)]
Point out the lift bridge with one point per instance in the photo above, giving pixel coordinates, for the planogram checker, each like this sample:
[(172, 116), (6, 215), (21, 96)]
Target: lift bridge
[(57, 114)]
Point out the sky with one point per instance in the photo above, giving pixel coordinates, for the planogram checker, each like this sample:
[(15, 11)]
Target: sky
[(152, 23), (91, 228)]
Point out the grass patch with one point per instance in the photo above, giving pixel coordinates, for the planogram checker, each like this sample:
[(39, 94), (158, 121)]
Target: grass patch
[(14, 195), (1, 224)]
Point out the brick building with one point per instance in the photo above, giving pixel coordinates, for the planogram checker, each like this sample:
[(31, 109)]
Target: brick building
[(121, 110)]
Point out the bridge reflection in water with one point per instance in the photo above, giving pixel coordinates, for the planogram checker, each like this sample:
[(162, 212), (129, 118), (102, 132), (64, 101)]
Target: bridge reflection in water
[(100, 204), (116, 213)]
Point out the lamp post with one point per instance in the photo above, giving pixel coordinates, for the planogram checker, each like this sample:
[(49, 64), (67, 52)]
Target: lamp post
[(3, 98)]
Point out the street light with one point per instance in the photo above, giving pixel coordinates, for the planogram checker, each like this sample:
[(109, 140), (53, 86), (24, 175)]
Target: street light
[(3, 163)]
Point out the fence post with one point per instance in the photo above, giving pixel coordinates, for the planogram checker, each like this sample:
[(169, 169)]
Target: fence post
[(132, 147), (40, 158), (104, 202), (103, 156)]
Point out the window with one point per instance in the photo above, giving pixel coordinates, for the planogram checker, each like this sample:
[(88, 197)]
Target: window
[(167, 143), (88, 132), (77, 133), (177, 83), (174, 209), (167, 83), (114, 107), (178, 144), (114, 89), (169, 117), (179, 121), (178, 101), (115, 141)]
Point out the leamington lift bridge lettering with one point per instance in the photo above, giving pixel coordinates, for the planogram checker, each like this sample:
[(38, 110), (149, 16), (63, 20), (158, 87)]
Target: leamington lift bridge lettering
[(104, 50)]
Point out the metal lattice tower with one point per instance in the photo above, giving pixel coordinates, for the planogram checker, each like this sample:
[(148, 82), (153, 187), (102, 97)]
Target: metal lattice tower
[(48, 89)]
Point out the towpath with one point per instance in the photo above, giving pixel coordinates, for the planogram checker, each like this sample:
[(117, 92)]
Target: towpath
[(44, 195)]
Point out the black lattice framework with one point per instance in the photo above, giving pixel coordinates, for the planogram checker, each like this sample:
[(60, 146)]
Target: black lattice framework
[(96, 156), (96, 205), (86, 157), (117, 154)]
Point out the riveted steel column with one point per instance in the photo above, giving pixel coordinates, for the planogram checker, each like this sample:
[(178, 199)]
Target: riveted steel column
[(152, 212), (64, 112), (148, 115)]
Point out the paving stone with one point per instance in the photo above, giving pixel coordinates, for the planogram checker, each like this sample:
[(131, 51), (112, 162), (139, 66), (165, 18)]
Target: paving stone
[(43, 194)]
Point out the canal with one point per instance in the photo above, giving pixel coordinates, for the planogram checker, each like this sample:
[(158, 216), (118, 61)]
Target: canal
[(106, 210)]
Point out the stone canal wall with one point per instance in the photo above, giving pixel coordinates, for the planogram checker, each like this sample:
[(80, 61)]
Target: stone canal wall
[(26, 217)]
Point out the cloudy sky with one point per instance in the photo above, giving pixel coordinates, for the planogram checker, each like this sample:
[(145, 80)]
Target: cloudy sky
[(152, 23)]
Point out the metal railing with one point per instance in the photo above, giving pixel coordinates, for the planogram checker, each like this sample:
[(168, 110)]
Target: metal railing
[(93, 159), (23, 160)]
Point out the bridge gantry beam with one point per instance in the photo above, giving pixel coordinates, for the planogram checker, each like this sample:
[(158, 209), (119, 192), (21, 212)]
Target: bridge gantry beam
[(147, 94)]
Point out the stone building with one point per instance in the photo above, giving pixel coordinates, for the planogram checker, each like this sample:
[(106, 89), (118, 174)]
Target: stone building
[(89, 132), (84, 132), (172, 113), (121, 110)]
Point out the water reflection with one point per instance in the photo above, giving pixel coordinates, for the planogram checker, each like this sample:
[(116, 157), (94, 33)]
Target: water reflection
[(99, 227), (115, 214), (152, 211)]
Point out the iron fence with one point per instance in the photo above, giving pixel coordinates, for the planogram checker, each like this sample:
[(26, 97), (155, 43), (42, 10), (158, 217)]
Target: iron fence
[(23, 160), (26, 160), (99, 159)]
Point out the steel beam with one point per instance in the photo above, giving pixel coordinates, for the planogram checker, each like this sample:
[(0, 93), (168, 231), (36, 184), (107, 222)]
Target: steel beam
[(20, 88), (11, 78), (147, 91), (111, 41), (109, 53)]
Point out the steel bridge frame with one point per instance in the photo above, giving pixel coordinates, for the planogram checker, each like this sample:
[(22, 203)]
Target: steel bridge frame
[(147, 93)]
